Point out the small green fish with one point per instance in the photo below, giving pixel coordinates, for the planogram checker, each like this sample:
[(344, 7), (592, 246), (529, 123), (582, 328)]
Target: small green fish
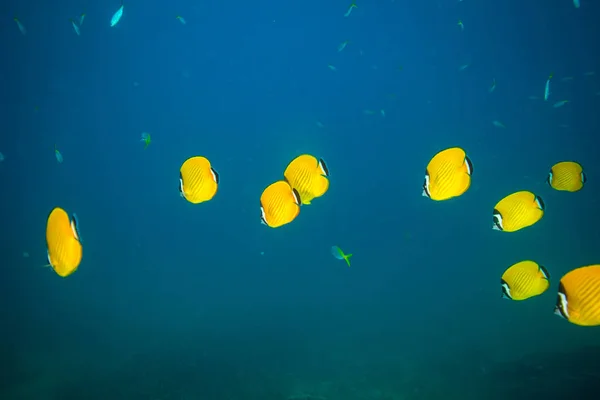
[(146, 139), (180, 18), (117, 15), (493, 87), (331, 67), (59, 157), (339, 254), (547, 88), (352, 7), (559, 104), (343, 45), (20, 26), (461, 25), (75, 27), (498, 124)]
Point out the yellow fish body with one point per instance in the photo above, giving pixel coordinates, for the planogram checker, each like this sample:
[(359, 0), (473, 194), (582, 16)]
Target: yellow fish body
[(279, 204), (523, 280), (308, 176), (198, 181), (567, 176), (62, 241), (447, 175), (517, 211), (578, 299)]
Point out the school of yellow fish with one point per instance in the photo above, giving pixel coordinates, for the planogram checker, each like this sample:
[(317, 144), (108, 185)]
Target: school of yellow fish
[(447, 176), (304, 179)]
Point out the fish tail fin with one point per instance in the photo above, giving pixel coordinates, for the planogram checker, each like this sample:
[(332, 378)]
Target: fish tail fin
[(347, 258)]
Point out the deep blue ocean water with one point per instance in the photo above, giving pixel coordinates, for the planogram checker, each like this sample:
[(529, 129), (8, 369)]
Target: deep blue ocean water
[(181, 301)]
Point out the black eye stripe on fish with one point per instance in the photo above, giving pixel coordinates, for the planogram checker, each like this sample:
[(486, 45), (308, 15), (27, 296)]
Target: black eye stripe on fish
[(426, 184), (324, 167), (505, 289), (469, 165), (497, 220), (562, 302), (216, 176), (297, 197), (540, 202)]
